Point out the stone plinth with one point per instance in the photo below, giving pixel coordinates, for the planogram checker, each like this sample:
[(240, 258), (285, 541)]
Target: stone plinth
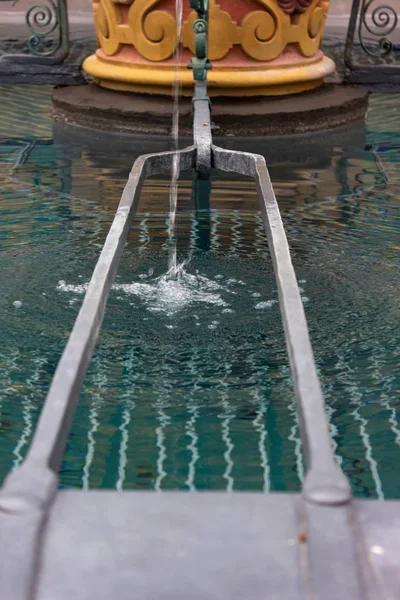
[(325, 108)]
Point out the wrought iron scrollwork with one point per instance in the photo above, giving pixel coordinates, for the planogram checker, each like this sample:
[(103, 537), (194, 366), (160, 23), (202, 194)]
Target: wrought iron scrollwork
[(44, 19), (47, 48), (379, 21), (48, 24), (371, 23)]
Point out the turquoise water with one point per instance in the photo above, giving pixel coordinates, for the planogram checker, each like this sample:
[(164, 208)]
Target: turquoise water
[(189, 387)]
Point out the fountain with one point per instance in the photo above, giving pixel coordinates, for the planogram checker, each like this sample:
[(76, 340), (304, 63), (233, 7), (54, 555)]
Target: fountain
[(269, 74), (318, 543)]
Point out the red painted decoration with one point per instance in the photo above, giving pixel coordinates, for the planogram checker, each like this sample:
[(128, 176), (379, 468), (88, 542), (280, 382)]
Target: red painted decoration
[(293, 6)]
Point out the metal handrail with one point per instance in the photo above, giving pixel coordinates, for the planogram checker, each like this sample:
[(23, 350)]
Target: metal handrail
[(324, 482)]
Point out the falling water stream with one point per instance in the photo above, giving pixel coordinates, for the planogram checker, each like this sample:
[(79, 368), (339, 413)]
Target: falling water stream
[(176, 92)]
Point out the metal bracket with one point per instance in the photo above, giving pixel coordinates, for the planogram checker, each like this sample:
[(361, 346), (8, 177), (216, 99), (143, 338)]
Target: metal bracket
[(201, 103), (202, 135), (200, 63)]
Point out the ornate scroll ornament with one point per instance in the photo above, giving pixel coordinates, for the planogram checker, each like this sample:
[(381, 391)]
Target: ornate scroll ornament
[(263, 34), (107, 22), (222, 32), (379, 21), (312, 24), (43, 19), (154, 31)]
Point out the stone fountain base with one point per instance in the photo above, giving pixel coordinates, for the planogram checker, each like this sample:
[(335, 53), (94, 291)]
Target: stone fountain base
[(327, 107)]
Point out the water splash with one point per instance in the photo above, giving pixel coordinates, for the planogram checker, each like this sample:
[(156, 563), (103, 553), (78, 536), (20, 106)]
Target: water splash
[(171, 295), (168, 295), (176, 92)]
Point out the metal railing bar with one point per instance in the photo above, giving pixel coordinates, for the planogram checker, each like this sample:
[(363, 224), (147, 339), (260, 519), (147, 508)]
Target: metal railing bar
[(333, 545), (324, 482), (348, 58), (55, 421)]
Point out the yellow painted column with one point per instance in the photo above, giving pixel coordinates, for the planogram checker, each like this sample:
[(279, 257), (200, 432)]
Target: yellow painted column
[(257, 47)]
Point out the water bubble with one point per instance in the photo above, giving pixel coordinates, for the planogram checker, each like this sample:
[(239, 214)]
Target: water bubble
[(267, 304), (17, 303), (62, 286)]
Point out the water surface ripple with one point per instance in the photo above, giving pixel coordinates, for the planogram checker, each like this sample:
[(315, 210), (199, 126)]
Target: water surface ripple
[(190, 387)]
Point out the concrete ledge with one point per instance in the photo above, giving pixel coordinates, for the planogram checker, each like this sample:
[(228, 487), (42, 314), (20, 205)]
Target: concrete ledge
[(325, 108)]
